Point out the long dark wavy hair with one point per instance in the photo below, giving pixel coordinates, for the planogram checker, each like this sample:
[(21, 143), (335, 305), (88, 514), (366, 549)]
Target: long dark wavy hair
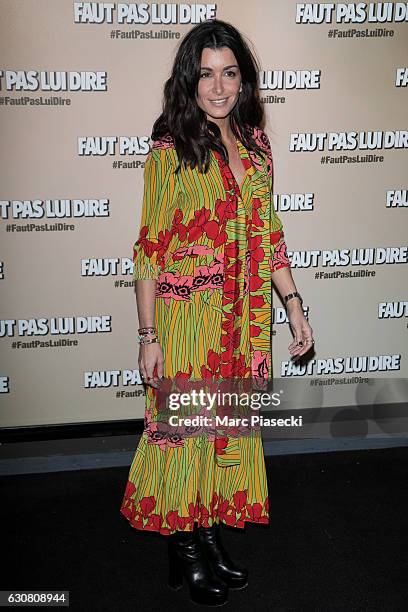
[(181, 118)]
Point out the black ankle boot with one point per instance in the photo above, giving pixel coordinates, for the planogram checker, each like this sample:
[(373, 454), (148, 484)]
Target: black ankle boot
[(186, 559), (234, 575)]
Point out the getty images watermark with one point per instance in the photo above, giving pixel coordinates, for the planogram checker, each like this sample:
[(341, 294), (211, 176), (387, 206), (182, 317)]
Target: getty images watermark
[(291, 408), (226, 409)]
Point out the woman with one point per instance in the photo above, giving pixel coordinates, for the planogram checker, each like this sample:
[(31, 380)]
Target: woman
[(209, 244)]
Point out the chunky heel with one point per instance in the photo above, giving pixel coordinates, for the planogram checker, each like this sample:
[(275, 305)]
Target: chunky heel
[(234, 575), (186, 560)]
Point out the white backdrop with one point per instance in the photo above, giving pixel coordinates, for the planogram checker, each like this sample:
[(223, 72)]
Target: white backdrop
[(80, 87)]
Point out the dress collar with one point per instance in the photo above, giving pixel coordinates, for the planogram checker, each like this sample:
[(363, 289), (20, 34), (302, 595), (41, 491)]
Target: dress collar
[(254, 169)]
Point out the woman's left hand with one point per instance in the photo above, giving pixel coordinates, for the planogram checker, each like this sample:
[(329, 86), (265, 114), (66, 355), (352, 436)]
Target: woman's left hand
[(302, 332)]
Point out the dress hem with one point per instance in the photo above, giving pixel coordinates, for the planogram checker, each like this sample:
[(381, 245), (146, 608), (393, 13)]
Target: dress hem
[(263, 520)]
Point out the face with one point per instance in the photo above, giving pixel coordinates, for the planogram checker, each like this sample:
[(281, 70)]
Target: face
[(219, 83)]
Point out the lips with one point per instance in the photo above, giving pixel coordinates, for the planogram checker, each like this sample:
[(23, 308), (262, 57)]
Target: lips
[(219, 102)]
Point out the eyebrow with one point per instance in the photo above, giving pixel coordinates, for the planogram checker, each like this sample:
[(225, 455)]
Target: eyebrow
[(225, 67)]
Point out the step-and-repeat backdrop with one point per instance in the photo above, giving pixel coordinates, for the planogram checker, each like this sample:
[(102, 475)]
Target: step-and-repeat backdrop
[(80, 87)]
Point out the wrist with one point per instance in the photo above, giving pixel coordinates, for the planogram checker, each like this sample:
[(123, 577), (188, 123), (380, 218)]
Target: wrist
[(147, 335), (293, 298), (294, 304)]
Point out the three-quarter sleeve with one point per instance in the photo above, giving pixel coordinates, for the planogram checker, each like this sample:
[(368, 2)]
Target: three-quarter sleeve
[(150, 248), (278, 254)]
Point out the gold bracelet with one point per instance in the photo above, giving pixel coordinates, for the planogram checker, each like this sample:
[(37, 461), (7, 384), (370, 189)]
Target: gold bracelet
[(149, 340)]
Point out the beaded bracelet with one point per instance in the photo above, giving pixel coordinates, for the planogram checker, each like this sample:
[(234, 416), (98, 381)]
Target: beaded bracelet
[(147, 331), (149, 340)]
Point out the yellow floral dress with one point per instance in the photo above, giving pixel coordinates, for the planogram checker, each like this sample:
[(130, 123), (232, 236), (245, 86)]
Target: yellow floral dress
[(211, 246)]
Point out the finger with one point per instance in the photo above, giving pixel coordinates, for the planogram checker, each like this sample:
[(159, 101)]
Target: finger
[(149, 373), (160, 368), (142, 371), (155, 375), (297, 343), (308, 343), (296, 331), (302, 341), (297, 352), (156, 369), (302, 345)]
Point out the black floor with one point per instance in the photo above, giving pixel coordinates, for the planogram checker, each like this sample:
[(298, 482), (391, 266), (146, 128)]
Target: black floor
[(337, 538)]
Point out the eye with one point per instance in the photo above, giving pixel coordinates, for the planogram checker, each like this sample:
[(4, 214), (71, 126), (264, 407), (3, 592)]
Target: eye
[(231, 73), (204, 74)]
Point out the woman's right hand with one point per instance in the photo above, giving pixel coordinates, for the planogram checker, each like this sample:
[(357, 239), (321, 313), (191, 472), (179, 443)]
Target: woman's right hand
[(151, 358)]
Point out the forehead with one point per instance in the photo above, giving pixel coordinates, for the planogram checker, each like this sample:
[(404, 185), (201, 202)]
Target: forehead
[(217, 58)]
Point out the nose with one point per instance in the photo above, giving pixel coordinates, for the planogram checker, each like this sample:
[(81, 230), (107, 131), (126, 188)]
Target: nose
[(218, 84)]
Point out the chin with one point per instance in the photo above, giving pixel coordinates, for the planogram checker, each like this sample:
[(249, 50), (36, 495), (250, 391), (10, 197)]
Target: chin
[(219, 113)]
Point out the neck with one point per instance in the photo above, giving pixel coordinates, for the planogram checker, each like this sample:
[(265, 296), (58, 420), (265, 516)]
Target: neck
[(224, 124)]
